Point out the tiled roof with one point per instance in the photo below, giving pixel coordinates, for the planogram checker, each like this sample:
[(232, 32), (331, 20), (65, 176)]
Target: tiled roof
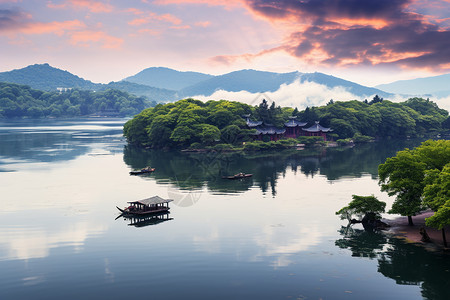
[(317, 127)]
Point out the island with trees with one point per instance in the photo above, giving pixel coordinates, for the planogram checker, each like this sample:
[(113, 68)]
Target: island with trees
[(223, 124)]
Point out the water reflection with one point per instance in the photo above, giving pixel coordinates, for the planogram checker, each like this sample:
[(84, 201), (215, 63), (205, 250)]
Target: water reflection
[(37, 242), (25, 141), (142, 221), (361, 243), (406, 263), (194, 171)]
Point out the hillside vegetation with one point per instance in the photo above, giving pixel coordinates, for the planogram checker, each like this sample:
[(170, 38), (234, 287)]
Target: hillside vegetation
[(18, 101), (194, 123)]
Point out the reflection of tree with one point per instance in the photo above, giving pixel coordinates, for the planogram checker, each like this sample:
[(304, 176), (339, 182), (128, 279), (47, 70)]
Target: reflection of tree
[(406, 263), (414, 265), (195, 170), (361, 159), (360, 242)]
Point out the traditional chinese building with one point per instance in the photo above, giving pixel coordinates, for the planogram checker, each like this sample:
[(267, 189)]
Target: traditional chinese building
[(292, 129), (264, 129), (317, 130)]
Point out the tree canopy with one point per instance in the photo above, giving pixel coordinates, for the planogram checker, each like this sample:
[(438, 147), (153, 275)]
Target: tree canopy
[(366, 207), (419, 178), (188, 122), (18, 101), (378, 118)]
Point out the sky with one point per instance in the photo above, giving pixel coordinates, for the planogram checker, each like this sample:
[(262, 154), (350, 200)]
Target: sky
[(365, 41)]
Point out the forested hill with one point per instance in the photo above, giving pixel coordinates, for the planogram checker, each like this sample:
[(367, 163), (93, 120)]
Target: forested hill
[(18, 101), (194, 123), (47, 78)]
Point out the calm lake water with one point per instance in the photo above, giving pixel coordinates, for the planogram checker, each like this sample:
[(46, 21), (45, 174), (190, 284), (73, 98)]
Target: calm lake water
[(272, 236)]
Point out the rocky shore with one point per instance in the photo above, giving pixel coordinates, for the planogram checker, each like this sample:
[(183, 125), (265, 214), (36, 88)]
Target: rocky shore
[(412, 234)]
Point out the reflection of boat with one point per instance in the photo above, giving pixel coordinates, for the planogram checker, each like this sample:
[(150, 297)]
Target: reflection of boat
[(143, 171), (149, 206), (153, 219), (238, 176)]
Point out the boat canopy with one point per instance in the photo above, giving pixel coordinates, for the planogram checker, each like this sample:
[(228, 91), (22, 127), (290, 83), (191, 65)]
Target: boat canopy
[(151, 201)]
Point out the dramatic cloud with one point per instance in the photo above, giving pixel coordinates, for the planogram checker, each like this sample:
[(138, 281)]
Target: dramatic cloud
[(353, 32)]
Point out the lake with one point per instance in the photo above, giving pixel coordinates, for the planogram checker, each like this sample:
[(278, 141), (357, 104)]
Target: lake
[(272, 236)]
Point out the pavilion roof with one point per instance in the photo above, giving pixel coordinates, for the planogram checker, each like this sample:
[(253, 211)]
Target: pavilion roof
[(151, 201), (317, 127), (294, 123)]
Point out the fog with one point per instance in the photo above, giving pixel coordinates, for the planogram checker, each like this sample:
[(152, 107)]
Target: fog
[(304, 94)]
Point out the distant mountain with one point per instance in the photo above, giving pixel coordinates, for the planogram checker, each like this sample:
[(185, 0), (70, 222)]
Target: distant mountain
[(152, 93), (354, 88), (258, 81), (166, 78), (436, 85), (243, 80), (46, 78)]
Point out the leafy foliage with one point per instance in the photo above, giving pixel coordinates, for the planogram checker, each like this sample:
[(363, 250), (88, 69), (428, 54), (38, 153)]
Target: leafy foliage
[(378, 118), (187, 122), (17, 101), (368, 206), (418, 178), (402, 176)]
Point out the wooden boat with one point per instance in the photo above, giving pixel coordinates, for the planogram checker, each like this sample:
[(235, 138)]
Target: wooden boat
[(149, 206), (238, 176), (143, 171)]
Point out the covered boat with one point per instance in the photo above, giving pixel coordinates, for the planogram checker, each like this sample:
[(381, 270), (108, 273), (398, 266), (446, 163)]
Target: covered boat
[(152, 205)]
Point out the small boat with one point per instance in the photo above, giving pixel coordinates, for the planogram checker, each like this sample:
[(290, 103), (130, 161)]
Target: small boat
[(149, 206), (238, 176), (143, 171)]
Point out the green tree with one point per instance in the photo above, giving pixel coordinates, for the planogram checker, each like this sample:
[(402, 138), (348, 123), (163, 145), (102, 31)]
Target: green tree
[(403, 176), (437, 197), (367, 208), (208, 134)]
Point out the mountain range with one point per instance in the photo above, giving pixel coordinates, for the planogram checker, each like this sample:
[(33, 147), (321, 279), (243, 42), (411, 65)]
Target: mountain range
[(438, 86), (163, 84)]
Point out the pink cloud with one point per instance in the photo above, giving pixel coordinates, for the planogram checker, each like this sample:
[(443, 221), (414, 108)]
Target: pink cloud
[(135, 11), (203, 24), (225, 3), (58, 28), (92, 6), (231, 59), (149, 17), (87, 38), (181, 27)]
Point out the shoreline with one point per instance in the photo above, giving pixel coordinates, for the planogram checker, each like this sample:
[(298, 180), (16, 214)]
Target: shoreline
[(400, 229)]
